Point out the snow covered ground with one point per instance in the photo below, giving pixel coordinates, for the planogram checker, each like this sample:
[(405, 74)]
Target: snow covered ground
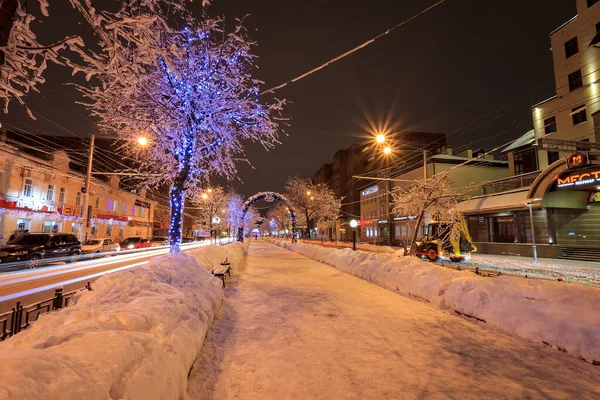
[(293, 328), (552, 269), (562, 315), (134, 337)]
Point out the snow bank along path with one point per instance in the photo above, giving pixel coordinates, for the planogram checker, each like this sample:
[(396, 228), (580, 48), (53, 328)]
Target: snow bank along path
[(135, 336), (562, 315)]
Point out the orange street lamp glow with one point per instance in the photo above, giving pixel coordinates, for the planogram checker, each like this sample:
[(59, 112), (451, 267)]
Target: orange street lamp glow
[(387, 150), (142, 141), (380, 138), (308, 193), (204, 196)]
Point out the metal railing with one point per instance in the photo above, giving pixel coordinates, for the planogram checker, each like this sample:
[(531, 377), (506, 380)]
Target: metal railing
[(510, 183), (21, 317)]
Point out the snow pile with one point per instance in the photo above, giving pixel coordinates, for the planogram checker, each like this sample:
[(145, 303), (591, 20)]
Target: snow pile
[(558, 314), (361, 246), (134, 337)]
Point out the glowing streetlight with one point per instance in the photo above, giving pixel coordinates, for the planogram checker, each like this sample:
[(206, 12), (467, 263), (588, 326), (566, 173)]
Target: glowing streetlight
[(204, 196), (209, 190), (308, 192), (380, 138), (387, 150), (353, 225), (142, 141)]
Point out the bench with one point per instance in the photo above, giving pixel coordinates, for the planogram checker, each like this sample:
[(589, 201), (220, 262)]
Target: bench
[(222, 270)]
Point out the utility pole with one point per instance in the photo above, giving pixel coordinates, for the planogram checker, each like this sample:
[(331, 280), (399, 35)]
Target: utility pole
[(86, 194)]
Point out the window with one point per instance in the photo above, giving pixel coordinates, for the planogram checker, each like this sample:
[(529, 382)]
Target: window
[(579, 115), (525, 161), (75, 228), (571, 47), (108, 231), (115, 206), (61, 195), (143, 211), (50, 193), (403, 230), (47, 227), (28, 188), (108, 204), (78, 199), (132, 210), (121, 230), (575, 80), (591, 2), (550, 125), (553, 156), (123, 208), (97, 202)]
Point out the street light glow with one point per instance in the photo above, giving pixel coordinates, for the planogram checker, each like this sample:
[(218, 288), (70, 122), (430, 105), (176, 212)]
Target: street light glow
[(353, 223), (204, 196), (142, 141), (387, 150), (380, 138), (308, 192)]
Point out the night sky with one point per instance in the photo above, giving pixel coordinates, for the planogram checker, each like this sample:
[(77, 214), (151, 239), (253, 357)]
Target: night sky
[(444, 70)]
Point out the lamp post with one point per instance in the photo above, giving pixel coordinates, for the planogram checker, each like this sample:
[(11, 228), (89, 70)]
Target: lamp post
[(353, 225), (529, 204)]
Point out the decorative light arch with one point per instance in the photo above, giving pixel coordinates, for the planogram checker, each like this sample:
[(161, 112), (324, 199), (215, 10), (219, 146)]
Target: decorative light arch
[(268, 197)]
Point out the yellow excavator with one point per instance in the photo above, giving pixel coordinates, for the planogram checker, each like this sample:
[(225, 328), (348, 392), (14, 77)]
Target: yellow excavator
[(446, 241)]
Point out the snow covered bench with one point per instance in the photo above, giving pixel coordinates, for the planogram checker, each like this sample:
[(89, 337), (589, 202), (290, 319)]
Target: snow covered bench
[(223, 269)]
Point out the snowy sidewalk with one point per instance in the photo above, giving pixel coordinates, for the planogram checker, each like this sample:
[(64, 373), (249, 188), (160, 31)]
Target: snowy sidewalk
[(291, 327)]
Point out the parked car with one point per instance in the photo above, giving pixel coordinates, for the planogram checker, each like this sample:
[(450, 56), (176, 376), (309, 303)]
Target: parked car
[(159, 241), (100, 246), (187, 240), (36, 247), (134, 242)]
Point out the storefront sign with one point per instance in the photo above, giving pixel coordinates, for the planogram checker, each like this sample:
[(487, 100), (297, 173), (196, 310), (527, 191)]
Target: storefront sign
[(71, 211), (576, 160), (141, 203), (371, 190), (405, 218), (383, 221), (579, 178)]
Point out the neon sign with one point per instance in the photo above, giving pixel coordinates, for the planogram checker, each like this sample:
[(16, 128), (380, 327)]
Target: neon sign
[(576, 160), (579, 179)]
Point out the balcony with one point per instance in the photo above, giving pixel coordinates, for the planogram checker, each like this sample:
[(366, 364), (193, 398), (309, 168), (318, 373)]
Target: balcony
[(510, 183)]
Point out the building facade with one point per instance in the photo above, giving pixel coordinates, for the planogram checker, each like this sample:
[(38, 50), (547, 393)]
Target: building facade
[(45, 195), (555, 167), (379, 225), (367, 159)]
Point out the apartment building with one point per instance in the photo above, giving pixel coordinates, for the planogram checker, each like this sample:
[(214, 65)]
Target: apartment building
[(42, 194)]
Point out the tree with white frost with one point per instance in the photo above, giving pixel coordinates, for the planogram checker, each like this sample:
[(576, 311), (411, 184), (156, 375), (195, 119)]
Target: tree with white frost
[(251, 218), (195, 103), (234, 212), (211, 208), (312, 202), (280, 215), (24, 58), (434, 196)]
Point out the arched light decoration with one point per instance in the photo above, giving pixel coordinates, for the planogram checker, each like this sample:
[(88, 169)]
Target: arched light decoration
[(269, 197)]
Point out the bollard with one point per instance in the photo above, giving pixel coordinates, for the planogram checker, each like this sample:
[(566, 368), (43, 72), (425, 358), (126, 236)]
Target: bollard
[(58, 298)]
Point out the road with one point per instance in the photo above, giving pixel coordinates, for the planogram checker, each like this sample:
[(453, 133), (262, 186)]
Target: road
[(32, 286), (292, 328)]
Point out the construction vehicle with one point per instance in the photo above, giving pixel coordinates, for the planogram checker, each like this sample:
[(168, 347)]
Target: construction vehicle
[(446, 241)]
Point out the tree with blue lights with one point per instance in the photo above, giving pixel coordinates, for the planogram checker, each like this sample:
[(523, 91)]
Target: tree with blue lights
[(195, 101)]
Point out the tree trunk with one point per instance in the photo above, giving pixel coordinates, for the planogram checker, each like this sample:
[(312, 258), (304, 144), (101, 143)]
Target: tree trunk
[(413, 246), (307, 225), (177, 200)]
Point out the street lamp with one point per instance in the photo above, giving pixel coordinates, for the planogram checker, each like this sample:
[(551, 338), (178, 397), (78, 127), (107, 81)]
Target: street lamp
[(529, 204), (142, 141), (380, 138), (387, 150), (353, 225)]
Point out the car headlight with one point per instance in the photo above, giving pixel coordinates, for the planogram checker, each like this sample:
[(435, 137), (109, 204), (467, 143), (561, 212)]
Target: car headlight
[(19, 253)]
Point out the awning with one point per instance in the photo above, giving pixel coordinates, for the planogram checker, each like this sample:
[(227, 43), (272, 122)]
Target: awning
[(513, 200), (595, 41)]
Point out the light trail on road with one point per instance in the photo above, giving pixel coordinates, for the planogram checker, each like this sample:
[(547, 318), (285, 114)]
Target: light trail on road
[(32, 286)]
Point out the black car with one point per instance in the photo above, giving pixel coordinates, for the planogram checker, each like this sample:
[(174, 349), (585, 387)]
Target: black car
[(32, 248), (187, 240)]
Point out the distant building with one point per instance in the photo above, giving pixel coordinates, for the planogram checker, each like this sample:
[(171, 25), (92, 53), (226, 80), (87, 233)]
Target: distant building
[(379, 225), (555, 167), (42, 194), (367, 158)]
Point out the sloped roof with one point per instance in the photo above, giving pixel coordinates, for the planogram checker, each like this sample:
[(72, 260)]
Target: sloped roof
[(525, 140)]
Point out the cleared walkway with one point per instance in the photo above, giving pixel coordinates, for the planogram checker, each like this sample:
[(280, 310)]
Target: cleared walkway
[(292, 328)]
